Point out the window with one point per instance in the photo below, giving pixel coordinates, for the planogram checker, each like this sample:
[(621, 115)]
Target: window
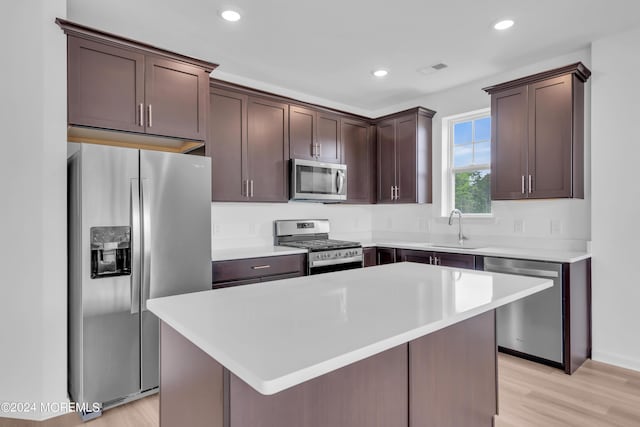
[(468, 164)]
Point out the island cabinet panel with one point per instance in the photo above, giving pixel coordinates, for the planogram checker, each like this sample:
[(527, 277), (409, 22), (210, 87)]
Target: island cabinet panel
[(453, 375), (358, 155), (189, 379), (370, 393), (254, 270), (537, 135)]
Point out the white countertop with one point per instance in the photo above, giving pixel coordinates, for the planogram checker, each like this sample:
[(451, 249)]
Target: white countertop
[(488, 250), (254, 252), (277, 335)]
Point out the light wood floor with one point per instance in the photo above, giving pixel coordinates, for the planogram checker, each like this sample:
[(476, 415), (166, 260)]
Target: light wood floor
[(531, 395)]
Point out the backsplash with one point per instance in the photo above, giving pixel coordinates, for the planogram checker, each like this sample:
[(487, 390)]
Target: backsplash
[(547, 224)]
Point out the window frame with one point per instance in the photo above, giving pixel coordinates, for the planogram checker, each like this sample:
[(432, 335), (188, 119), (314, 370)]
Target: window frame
[(449, 170)]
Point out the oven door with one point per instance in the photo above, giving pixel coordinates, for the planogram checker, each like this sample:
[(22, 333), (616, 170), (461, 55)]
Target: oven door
[(318, 181)]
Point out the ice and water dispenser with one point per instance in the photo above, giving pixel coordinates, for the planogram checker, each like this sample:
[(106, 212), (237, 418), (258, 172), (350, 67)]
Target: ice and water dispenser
[(110, 251)]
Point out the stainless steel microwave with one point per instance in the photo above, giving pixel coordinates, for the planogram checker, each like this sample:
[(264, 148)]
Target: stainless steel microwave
[(318, 181)]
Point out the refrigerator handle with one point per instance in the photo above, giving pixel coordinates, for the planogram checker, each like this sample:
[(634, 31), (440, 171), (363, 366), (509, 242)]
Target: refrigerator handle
[(136, 244), (146, 241)]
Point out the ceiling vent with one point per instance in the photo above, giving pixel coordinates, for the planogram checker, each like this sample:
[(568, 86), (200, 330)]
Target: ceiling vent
[(433, 68)]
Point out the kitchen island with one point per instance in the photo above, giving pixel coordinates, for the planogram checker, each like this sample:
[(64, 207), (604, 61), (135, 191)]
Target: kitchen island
[(396, 345)]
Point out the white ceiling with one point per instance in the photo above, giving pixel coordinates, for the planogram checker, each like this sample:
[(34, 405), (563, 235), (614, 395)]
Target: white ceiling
[(327, 48)]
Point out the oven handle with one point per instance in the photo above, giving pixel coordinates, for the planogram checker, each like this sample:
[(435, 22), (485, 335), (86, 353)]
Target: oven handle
[(323, 263)]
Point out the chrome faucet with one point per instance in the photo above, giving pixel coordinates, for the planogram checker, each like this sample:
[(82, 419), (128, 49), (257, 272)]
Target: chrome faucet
[(461, 237)]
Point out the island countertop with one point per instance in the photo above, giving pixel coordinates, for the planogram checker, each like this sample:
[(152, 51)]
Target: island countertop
[(277, 335)]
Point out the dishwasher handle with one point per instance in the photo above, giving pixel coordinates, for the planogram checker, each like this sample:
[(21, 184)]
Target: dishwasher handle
[(523, 271)]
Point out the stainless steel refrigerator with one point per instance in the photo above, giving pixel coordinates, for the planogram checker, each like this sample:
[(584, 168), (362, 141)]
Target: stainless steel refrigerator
[(139, 228)]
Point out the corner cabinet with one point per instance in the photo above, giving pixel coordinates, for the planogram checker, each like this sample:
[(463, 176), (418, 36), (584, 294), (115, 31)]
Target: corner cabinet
[(537, 142), (404, 157), (314, 135), (118, 84), (248, 143), (358, 153)]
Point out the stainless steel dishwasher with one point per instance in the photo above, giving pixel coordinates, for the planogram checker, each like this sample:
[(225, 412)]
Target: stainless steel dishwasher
[(533, 325)]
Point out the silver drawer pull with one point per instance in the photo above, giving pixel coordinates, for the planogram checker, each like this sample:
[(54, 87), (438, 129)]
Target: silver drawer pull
[(261, 267)]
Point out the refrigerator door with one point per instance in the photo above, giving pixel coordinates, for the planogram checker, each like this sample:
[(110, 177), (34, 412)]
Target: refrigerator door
[(176, 206), (110, 336)]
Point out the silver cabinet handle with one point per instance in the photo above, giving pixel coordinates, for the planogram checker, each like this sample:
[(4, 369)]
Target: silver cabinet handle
[(313, 150), (146, 241), (251, 192), (136, 246), (530, 186), (261, 267), (319, 150), (437, 260), (397, 192), (430, 259), (150, 111), (522, 184), (378, 258), (141, 115)]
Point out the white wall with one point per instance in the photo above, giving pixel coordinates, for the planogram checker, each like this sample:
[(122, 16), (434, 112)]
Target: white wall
[(33, 211), (616, 200), (251, 224)]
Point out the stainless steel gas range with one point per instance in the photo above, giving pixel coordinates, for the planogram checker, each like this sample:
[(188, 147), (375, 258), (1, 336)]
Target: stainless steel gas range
[(325, 255)]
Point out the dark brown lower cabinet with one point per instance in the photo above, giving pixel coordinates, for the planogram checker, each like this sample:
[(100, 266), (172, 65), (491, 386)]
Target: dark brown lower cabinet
[(436, 258), (444, 379), (385, 256), (255, 270), (369, 257)]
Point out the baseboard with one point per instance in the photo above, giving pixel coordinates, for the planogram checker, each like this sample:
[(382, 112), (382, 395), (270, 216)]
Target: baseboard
[(616, 360)]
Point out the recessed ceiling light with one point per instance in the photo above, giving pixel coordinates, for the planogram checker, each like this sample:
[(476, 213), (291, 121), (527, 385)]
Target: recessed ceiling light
[(230, 15), (504, 24), (380, 73)]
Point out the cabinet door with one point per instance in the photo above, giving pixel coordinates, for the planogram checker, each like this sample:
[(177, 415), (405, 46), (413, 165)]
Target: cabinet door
[(407, 255), (105, 86), (176, 95), (357, 155), (385, 256), (386, 131), (225, 145), (328, 138), (267, 142), (406, 176), (509, 144), (456, 260), (369, 257), (301, 132), (550, 138)]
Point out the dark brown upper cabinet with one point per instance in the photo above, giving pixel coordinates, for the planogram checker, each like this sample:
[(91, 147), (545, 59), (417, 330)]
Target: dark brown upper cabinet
[(404, 157), (537, 135), (314, 135), (248, 145), (358, 153), (119, 84)]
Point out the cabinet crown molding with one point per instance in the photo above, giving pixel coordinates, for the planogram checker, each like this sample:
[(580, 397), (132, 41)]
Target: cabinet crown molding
[(78, 30), (578, 69)]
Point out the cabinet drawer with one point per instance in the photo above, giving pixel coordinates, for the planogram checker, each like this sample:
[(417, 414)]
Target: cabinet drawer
[(241, 269)]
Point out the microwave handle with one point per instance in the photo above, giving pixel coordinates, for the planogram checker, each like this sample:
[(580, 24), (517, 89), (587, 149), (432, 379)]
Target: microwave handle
[(340, 181)]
